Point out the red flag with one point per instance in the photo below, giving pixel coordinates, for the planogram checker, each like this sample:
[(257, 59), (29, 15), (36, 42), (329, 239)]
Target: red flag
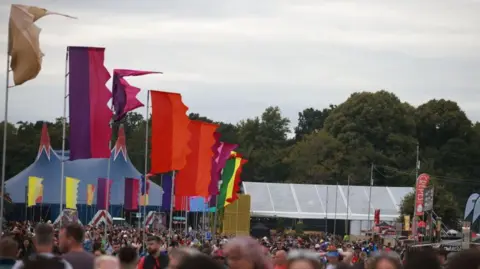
[(181, 203), (131, 194), (194, 178), (422, 183), (170, 134), (376, 218)]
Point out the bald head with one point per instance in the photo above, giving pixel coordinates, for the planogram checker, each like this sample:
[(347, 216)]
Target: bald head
[(280, 257)]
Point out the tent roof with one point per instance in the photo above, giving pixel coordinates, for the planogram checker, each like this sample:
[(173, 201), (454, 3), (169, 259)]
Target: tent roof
[(307, 201), (48, 166)]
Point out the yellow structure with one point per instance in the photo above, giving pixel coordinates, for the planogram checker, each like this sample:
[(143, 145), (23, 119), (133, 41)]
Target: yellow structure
[(236, 216)]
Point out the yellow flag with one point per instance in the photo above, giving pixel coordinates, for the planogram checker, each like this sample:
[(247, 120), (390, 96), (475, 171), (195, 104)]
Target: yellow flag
[(33, 190), (71, 189), (24, 43), (90, 194)]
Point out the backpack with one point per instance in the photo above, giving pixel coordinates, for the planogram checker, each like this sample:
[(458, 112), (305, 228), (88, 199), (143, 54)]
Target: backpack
[(37, 261)]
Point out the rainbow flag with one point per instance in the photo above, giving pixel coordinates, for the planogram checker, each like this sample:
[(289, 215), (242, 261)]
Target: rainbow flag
[(230, 180)]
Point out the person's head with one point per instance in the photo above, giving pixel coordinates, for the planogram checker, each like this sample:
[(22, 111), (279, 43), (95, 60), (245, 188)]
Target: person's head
[(219, 256), (43, 240), (128, 257), (385, 261), (442, 255), (105, 261), (98, 252), (425, 258), (198, 261), (245, 253), (468, 259), (8, 248), (153, 244), (333, 256), (116, 246), (280, 257), (177, 255), (71, 236), (303, 259)]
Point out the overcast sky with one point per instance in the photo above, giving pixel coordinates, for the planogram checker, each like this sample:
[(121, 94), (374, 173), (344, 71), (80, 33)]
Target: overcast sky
[(230, 59)]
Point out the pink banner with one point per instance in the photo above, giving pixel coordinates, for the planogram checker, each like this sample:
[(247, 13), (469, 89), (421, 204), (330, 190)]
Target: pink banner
[(422, 183)]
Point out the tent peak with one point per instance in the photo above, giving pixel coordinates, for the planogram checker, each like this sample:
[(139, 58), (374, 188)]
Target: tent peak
[(120, 144), (44, 142)]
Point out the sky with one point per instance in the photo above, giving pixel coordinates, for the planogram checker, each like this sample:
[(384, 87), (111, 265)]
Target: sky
[(230, 59)]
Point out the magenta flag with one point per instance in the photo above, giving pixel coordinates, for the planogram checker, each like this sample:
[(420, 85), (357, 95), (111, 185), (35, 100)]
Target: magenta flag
[(124, 94), (131, 193), (103, 193), (222, 152), (90, 130)]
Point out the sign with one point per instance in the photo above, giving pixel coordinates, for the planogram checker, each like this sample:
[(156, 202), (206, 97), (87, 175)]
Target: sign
[(428, 199), (422, 183), (208, 235)]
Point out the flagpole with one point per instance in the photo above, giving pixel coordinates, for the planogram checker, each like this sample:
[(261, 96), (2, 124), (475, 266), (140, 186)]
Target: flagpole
[(172, 200), (370, 197), (326, 211), (64, 131), (215, 216), (347, 231), (335, 219), (146, 170), (4, 153)]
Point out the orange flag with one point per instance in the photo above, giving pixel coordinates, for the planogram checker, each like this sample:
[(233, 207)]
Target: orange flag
[(24, 43), (170, 133), (194, 179)]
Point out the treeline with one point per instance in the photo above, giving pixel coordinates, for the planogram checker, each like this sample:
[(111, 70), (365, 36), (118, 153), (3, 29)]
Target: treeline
[(330, 145)]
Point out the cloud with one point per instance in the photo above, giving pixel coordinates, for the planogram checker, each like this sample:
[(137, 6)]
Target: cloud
[(232, 59)]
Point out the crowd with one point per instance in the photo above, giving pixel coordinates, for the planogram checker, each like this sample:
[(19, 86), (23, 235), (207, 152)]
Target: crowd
[(83, 247)]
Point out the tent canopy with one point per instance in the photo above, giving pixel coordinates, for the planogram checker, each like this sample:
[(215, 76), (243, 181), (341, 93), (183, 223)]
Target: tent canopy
[(307, 201)]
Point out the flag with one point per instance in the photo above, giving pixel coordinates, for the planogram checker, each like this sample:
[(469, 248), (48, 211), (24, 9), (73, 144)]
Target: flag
[(39, 199), (170, 134), (221, 154), (124, 95), (90, 116), (167, 191), (234, 185), (90, 193), (231, 174), (33, 190), (71, 189), (182, 203), (24, 42), (103, 193), (194, 178), (144, 190), (131, 194)]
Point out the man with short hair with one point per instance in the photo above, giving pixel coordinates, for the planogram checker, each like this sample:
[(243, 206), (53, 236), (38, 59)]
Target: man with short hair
[(43, 242), (280, 259), (155, 259), (128, 257), (71, 242), (8, 253)]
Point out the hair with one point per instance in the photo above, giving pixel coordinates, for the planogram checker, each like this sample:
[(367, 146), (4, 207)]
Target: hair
[(250, 248), (75, 231), (109, 259), (306, 255), (127, 255), (8, 247), (424, 258), (394, 259), (181, 253), (465, 260), (43, 234), (199, 261), (154, 238)]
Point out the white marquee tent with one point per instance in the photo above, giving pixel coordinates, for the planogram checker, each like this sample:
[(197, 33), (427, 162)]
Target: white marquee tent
[(306, 201)]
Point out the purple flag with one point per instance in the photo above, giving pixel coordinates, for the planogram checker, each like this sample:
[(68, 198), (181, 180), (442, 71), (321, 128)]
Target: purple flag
[(131, 194), (103, 193), (124, 94), (222, 152), (167, 191)]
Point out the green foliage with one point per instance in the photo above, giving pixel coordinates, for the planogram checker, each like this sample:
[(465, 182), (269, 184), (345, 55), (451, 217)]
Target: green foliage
[(329, 145)]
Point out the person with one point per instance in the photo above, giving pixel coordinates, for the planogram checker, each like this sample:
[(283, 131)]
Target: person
[(244, 252), (280, 259), (8, 253), (155, 259), (128, 257), (198, 261), (71, 243), (44, 258), (303, 259), (105, 261)]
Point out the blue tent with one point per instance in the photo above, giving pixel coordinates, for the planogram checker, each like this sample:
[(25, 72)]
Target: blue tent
[(48, 166)]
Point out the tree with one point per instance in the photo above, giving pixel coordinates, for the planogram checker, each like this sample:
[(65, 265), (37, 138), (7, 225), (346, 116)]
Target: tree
[(311, 120)]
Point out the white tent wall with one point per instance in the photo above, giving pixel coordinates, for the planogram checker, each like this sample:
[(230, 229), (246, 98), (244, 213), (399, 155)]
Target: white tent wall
[(307, 201)]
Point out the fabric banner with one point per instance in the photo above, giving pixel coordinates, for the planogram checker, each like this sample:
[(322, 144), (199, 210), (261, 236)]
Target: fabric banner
[(131, 194), (376, 217), (422, 183), (144, 190), (124, 95), (194, 178), (470, 204), (428, 199), (221, 154), (71, 189), (33, 190), (406, 223), (170, 133), (234, 184), (103, 193), (90, 194), (167, 191), (90, 116)]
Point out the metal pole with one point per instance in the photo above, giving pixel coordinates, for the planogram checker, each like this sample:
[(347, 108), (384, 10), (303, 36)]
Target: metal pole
[(172, 201), (414, 218), (370, 197), (4, 153), (335, 220), (215, 217), (326, 212), (145, 171), (64, 133), (348, 206)]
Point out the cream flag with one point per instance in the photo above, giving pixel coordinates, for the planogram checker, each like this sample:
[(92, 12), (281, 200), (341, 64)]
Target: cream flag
[(23, 42)]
